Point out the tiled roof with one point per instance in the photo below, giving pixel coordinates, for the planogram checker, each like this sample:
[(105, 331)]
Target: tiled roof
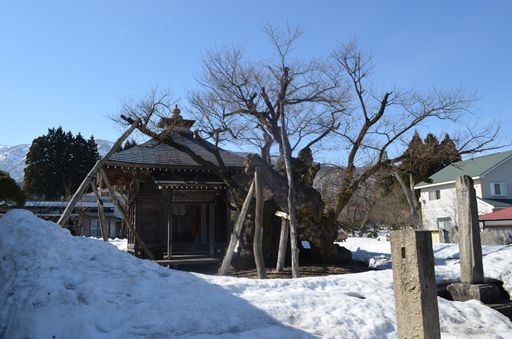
[(473, 167), (156, 153)]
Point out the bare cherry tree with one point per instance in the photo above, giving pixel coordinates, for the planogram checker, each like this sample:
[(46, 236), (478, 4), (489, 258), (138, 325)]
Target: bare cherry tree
[(290, 104), (380, 121)]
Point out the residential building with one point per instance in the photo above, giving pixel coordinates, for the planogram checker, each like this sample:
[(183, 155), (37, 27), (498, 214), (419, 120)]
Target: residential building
[(492, 177)]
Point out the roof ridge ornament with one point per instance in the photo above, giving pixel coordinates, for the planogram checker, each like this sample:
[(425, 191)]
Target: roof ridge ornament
[(175, 122), (176, 113)]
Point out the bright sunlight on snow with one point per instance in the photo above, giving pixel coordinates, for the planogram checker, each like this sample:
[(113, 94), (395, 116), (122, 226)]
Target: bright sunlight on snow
[(55, 285)]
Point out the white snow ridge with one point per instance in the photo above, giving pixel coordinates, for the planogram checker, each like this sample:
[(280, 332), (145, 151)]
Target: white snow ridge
[(55, 285)]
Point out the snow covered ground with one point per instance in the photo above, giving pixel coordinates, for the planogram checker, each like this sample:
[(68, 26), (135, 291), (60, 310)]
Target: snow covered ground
[(377, 253), (56, 285)]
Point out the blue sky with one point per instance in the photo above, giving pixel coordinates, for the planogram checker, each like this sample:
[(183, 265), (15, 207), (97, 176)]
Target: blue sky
[(70, 63)]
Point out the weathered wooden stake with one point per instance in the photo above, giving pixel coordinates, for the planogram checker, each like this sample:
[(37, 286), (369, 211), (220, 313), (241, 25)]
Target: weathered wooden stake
[(101, 211), (88, 178), (414, 283), (283, 242), (125, 216), (258, 227), (470, 247), (235, 235)]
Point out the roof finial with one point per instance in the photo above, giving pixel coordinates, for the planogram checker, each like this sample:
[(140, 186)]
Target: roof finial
[(176, 112)]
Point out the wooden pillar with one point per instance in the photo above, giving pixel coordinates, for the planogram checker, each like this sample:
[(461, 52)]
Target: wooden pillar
[(125, 216), (212, 230), (235, 235), (168, 220), (101, 211), (204, 223), (414, 284), (258, 227), (470, 247)]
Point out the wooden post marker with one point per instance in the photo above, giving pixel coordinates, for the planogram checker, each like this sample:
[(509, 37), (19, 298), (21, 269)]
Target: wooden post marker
[(470, 247), (414, 283)]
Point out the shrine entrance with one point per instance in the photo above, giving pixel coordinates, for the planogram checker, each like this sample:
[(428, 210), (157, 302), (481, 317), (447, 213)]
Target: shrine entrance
[(191, 227)]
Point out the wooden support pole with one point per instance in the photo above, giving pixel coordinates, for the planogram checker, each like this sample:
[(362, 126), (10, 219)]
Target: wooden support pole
[(101, 211), (125, 216), (283, 242), (258, 227), (235, 235), (89, 177), (414, 284), (470, 247), (168, 222), (211, 222)]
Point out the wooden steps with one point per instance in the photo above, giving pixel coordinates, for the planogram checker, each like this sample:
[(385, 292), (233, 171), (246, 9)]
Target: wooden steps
[(195, 259)]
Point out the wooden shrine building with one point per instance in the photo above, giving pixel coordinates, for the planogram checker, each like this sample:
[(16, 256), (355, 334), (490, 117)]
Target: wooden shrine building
[(178, 208)]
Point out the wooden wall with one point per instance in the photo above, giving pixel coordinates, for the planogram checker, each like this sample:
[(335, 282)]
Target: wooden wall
[(148, 208)]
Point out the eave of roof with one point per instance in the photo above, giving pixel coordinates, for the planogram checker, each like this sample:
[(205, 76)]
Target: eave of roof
[(427, 185), (504, 214), (156, 154), (498, 203)]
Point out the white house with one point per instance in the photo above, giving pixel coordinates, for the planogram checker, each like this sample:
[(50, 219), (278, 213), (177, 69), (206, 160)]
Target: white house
[(492, 176)]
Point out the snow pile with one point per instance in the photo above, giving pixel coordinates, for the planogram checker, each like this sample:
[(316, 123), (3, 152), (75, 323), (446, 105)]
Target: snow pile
[(53, 284), (121, 244)]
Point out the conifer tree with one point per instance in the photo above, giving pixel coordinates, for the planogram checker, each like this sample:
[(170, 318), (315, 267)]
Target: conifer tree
[(449, 151), (57, 162), (10, 192)]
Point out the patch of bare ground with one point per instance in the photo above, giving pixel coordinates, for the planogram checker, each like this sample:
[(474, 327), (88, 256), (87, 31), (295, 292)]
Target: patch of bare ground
[(305, 271)]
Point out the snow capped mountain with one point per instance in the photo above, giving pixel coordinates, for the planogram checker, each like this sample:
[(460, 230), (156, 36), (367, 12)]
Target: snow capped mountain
[(104, 146), (12, 158)]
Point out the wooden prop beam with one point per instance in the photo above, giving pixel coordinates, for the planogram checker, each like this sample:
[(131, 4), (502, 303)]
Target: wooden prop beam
[(101, 211), (235, 235), (283, 242), (88, 178), (258, 228), (125, 216)]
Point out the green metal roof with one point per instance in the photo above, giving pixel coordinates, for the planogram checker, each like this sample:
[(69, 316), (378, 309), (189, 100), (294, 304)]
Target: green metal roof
[(473, 167)]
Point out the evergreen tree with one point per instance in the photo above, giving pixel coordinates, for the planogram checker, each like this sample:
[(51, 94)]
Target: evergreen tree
[(10, 192), (413, 162), (57, 162), (449, 151), (431, 156), (422, 158)]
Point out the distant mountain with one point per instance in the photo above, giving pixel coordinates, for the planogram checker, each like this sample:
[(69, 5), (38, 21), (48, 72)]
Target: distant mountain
[(104, 146), (12, 158)]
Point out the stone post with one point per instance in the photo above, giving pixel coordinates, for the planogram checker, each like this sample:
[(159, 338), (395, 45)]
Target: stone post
[(470, 247), (472, 285), (414, 283)]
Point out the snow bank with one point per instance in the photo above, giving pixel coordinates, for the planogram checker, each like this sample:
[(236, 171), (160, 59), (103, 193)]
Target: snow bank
[(53, 284), (121, 244)]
